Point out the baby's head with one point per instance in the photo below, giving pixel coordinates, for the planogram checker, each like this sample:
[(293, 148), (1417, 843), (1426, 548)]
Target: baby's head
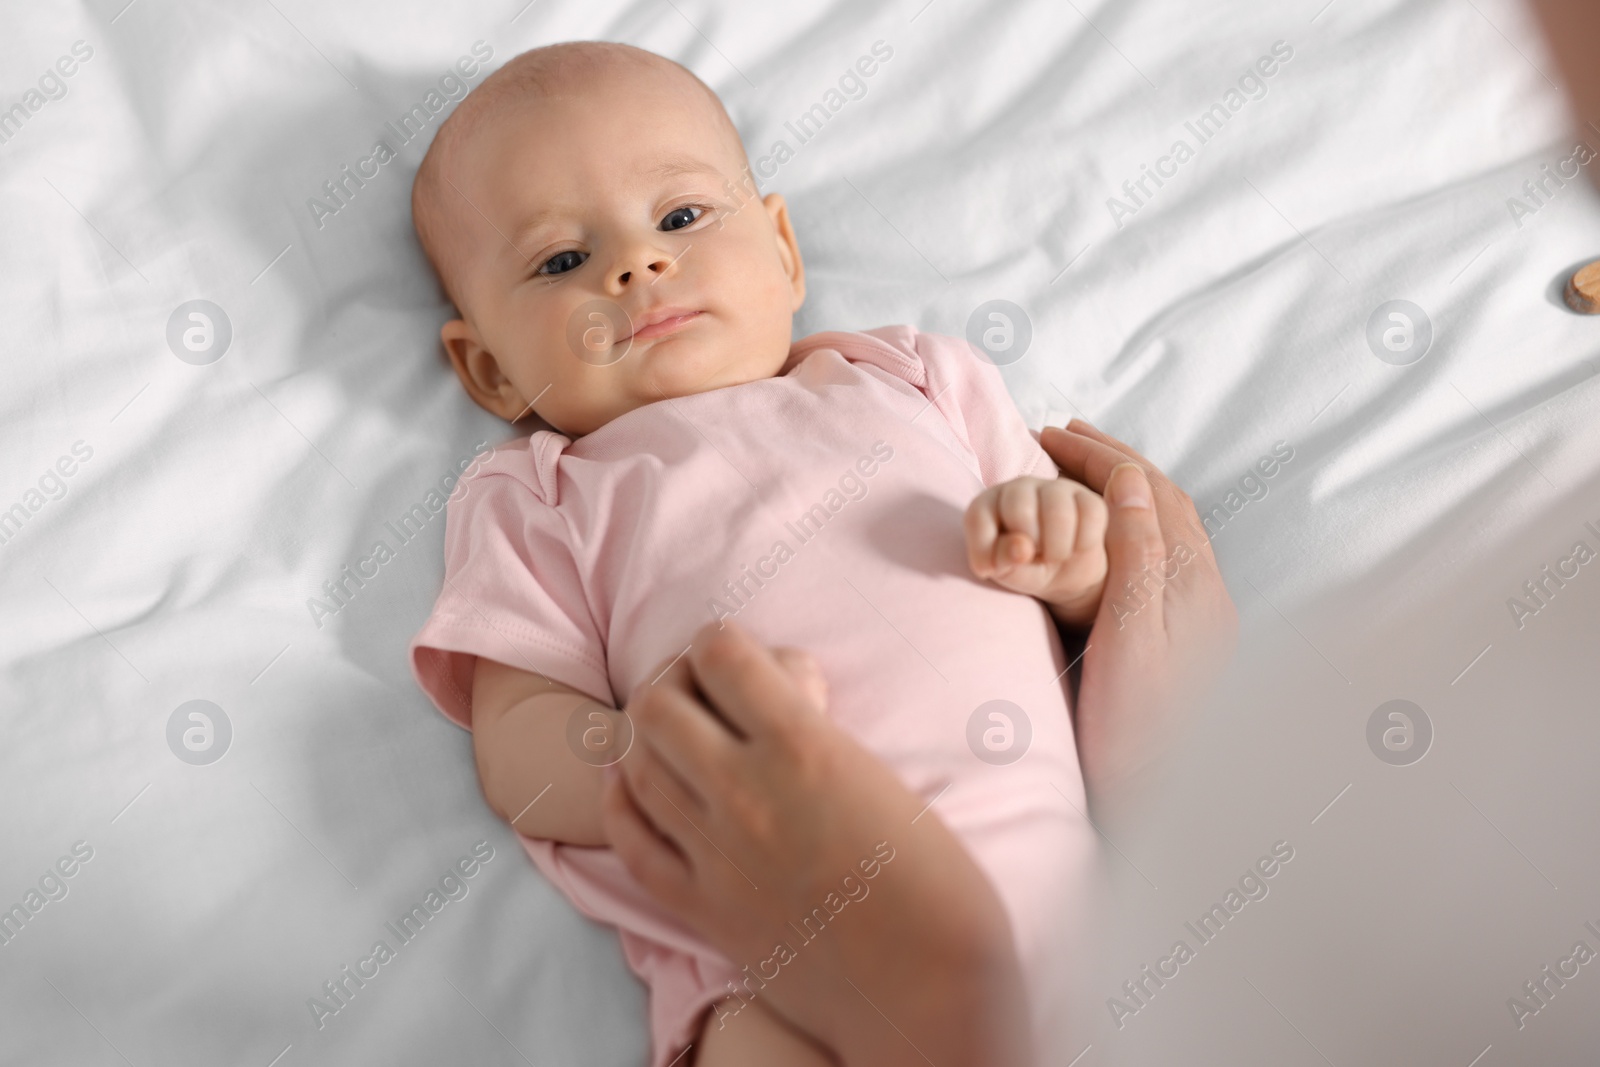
[(582, 192)]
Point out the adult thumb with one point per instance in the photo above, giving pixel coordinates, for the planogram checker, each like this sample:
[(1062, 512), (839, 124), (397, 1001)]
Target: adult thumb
[(804, 669), (1134, 545)]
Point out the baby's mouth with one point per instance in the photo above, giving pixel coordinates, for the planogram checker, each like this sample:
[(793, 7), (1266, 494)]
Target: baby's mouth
[(659, 322)]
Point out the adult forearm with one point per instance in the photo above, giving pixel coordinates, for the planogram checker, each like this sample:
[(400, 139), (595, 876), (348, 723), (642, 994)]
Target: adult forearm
[(956, 1006), (1118, 752), (925, 968)]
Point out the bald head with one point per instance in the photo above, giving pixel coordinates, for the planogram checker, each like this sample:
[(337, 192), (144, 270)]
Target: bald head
[(543, 78)]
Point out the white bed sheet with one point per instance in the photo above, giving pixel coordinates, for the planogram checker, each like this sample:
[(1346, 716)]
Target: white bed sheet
[(1213, 317)]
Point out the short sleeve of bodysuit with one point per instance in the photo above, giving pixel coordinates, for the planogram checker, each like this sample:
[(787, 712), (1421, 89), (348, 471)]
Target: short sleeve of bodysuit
[(513, 589)]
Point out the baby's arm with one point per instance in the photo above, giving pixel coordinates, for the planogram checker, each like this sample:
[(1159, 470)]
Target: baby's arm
[(519, 735), (1045, 538)]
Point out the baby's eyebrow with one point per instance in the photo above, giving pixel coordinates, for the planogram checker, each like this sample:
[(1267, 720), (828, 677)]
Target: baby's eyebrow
[(527, 229), (678, 166)]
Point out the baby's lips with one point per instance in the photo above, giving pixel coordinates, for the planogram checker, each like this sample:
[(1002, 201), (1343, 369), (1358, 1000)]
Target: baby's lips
[(658, 321)]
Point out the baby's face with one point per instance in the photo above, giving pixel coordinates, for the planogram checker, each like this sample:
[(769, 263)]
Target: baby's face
[(624, 196)]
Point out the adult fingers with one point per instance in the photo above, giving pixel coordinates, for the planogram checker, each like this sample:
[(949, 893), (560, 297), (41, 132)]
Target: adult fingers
[(1079, 426), (653, 860), (807, 673), (1091, 460), (1135, 550), (1085, 453), (668, 716), (743, 681), (661, 794), (1080, 457), (1158, 478)]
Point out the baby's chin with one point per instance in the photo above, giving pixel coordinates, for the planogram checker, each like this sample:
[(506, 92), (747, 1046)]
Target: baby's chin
[(676, 367)]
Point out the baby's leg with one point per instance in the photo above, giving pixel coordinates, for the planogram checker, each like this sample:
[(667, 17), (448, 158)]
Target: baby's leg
[(754, 1035)]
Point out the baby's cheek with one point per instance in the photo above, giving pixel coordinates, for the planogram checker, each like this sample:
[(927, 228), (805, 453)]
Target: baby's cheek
[(777, 291), (760, 266)]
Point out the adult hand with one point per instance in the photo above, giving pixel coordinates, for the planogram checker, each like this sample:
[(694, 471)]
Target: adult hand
[(1166, 626), (742, 820)]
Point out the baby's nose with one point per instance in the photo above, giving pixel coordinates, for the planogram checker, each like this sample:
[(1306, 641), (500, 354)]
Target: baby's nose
[(647, 266)]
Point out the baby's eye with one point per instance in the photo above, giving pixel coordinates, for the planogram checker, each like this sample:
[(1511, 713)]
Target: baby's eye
[(562, 262), (678, 218)]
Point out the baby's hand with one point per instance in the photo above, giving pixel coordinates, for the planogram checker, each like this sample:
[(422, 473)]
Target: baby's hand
[(1045, 538)]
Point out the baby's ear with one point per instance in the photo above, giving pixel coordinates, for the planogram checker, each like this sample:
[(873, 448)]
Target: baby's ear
[(479, 371), (788, 247)]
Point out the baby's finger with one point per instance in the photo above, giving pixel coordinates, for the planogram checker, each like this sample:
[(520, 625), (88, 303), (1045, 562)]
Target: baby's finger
[(1012, 551), (1019, 508), (1058, 520), (1093, 516), (982, 525)]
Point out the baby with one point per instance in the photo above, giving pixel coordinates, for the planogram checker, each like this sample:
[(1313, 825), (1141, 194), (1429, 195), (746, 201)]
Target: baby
[(873, 498)]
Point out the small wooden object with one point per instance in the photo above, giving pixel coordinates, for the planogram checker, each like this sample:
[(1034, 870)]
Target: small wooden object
[(1583, 289)]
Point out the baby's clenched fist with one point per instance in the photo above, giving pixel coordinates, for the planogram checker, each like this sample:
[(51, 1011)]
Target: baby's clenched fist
[(1045, 538)]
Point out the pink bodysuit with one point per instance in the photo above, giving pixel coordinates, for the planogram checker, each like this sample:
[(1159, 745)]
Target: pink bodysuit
[(822, 509)]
